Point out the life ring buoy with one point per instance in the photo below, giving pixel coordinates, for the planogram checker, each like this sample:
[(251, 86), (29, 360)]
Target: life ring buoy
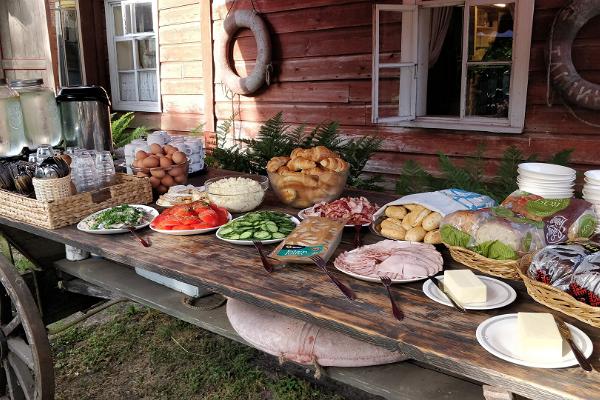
[(235, 21), (564, 76)]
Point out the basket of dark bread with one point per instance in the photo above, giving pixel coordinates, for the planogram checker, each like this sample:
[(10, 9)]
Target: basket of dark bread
[(565, 278)]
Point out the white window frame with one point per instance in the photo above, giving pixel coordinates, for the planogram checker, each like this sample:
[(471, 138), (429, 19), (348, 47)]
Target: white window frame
[(112, 39), (519, 70)]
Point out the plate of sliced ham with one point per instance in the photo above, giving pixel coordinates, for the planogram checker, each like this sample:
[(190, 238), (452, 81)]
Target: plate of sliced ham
[(353, 210), (402, 262)]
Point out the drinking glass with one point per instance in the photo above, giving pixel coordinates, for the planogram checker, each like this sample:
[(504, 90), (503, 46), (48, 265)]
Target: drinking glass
[(44, 151), (105, 168)]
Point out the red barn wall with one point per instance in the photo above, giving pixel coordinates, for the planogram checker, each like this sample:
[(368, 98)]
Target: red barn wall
[(322, 60)]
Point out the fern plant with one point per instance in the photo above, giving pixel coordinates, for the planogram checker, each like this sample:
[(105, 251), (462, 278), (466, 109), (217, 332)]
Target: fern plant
[(121, 133)]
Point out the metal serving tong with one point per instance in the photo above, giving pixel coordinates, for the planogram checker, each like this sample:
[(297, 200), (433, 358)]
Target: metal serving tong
[(323, 265)]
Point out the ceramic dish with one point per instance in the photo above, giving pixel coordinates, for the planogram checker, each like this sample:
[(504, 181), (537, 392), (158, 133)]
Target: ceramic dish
[(301, 215), (150, 212), (499, 294), (498, 336), (189, 232), (241, 242)]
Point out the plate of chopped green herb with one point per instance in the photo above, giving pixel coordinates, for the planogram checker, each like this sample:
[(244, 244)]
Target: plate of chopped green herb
[(267, 227), (118, 219)]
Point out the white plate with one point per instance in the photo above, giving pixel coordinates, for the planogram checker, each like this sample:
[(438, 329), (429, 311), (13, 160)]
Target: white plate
[(499, 294), (498, 336), (189, 232), (369, 278), (249, 242), (149, 210), (302, 216)]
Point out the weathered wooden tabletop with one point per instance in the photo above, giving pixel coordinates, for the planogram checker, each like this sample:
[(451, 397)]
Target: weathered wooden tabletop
[(431, 333)]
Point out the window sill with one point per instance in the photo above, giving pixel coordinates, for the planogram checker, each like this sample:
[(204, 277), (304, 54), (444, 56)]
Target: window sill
[(125, 106), (485, 125)]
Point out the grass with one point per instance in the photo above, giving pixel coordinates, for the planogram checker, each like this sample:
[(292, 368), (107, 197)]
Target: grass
[(141, 353), (22, 263)]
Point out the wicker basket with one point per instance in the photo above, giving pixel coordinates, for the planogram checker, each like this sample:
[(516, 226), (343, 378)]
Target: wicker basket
[(70, 210), (52, 189), (502, 268), (556, 299)]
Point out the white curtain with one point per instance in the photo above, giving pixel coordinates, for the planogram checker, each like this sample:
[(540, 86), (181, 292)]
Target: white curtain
[(440, 22)]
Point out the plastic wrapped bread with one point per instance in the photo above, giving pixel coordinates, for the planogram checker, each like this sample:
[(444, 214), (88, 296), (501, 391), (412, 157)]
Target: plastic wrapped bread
[(314, 236)]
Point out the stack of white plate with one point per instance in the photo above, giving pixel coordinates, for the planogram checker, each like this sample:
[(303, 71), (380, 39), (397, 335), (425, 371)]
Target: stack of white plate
[(550, 181), (591, 190)]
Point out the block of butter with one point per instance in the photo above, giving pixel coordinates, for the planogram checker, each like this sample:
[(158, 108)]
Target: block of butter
[(538, 338), (465, 286)]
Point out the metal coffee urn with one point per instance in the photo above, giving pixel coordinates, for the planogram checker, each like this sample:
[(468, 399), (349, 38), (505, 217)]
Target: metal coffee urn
[(85, 113)]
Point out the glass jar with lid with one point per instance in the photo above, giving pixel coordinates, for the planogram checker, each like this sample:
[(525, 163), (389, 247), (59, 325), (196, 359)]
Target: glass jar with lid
[(40, 112), (12, 133)]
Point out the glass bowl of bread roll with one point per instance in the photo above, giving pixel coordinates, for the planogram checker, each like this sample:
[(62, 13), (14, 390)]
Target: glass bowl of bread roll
[(308, 176)]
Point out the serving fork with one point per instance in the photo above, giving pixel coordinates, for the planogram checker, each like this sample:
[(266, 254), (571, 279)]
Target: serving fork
[(387, 282), (323, 265), (140, 239), (265, 261)]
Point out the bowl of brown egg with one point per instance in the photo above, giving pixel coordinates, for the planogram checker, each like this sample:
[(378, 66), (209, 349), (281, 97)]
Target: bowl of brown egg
[(166, 166)]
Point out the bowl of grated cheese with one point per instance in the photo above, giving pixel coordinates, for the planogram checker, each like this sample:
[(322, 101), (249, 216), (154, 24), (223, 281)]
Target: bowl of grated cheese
[(237, 193)]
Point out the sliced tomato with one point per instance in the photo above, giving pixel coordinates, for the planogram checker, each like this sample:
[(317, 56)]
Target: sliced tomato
[(223, 215), (209, 217), (201, 226), (181, 228)]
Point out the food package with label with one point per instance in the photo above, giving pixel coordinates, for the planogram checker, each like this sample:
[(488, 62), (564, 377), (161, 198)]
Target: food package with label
[(417, 217), (585, 283), (555, 264), (314, 236)]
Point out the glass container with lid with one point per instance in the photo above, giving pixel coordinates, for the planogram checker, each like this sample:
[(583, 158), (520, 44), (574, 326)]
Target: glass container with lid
[(40, 112), (12, 133)]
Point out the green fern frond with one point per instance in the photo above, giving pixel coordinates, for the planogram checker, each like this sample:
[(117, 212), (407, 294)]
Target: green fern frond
[(563, 157)]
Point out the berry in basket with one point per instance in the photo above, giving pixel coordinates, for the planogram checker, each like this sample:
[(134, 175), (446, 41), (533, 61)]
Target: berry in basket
[(555, 265)]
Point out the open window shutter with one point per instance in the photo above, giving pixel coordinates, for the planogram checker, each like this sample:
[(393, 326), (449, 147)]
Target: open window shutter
[(394, 63)]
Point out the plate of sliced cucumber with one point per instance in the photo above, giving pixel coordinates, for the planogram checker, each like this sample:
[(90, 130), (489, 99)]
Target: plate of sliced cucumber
[(267, 227)]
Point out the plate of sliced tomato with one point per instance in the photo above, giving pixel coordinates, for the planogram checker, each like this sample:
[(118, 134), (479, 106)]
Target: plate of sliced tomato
[(190, 219)]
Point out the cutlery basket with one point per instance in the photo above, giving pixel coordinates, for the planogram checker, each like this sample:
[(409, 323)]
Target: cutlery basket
[(69, 210), (556, 299), (507, 269)]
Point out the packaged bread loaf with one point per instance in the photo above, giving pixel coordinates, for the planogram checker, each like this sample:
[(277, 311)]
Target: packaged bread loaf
[(314, 236)]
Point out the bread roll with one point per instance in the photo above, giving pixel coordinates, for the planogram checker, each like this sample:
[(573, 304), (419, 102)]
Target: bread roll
[(335, 164), (397, 234), (319, 153), (297, 152), (277, 162), (432, 221), (411, 207), (406, 224), (398, 212), (391, 223), (417, 215), (416, 234), (433, 237), (298, 163), (317, 171), (329, 178), (288, 195), (284, 170), (299, 180)]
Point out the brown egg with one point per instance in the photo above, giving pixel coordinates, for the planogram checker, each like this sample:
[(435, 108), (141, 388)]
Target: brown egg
[(158, 173), (180, 179), (168, 181), (66, 158), (179, 157), (155, 148), (150, 162), (140, 155), (177, 171), (165, 162), (168, 149), (142, 174), (162, 189), (154, 181), (136, 163)]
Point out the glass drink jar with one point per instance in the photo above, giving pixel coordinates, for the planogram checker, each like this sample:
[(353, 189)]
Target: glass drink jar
[(12, 133)]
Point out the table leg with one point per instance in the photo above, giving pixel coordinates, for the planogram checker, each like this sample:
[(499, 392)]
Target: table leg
[(496, 393)]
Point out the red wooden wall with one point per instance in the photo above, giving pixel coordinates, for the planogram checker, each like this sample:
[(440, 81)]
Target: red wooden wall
[(322, 59)]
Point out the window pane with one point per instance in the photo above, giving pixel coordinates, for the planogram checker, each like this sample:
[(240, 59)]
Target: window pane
[(487, 91), (118, 20), (147, 86), (125, 55), (444, 75), (395, 95), (491, 32), (146, 53), (390, 36), (128, 18), (127, 86), (143, 17)]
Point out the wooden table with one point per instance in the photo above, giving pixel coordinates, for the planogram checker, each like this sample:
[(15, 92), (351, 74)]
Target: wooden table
[(430, 333)]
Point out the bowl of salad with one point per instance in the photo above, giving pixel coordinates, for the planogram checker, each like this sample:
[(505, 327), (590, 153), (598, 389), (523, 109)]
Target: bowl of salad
[(118, 219)]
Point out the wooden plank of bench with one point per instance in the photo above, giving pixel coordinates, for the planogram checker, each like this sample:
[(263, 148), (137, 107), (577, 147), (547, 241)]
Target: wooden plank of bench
[(399, 381)]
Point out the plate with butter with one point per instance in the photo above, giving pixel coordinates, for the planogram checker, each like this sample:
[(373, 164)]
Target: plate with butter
[(473, 292), (531, 340)]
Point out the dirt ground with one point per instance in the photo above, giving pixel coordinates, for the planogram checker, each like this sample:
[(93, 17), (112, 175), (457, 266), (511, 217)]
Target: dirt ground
[(131, 352)]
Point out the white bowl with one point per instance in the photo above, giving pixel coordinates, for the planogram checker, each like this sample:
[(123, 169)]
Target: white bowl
[(591, 188), (546, 184), (543, 169), (548, 195), (593, 174), (591, 181)]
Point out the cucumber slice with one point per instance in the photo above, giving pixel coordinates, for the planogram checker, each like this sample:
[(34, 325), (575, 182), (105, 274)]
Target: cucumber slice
[(262, 235), (246, 235), (271, 227), (278, 235), (226, 230)]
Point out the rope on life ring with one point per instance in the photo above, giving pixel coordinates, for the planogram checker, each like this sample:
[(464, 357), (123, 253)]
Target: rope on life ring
[(261, 73), (561, 70)]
